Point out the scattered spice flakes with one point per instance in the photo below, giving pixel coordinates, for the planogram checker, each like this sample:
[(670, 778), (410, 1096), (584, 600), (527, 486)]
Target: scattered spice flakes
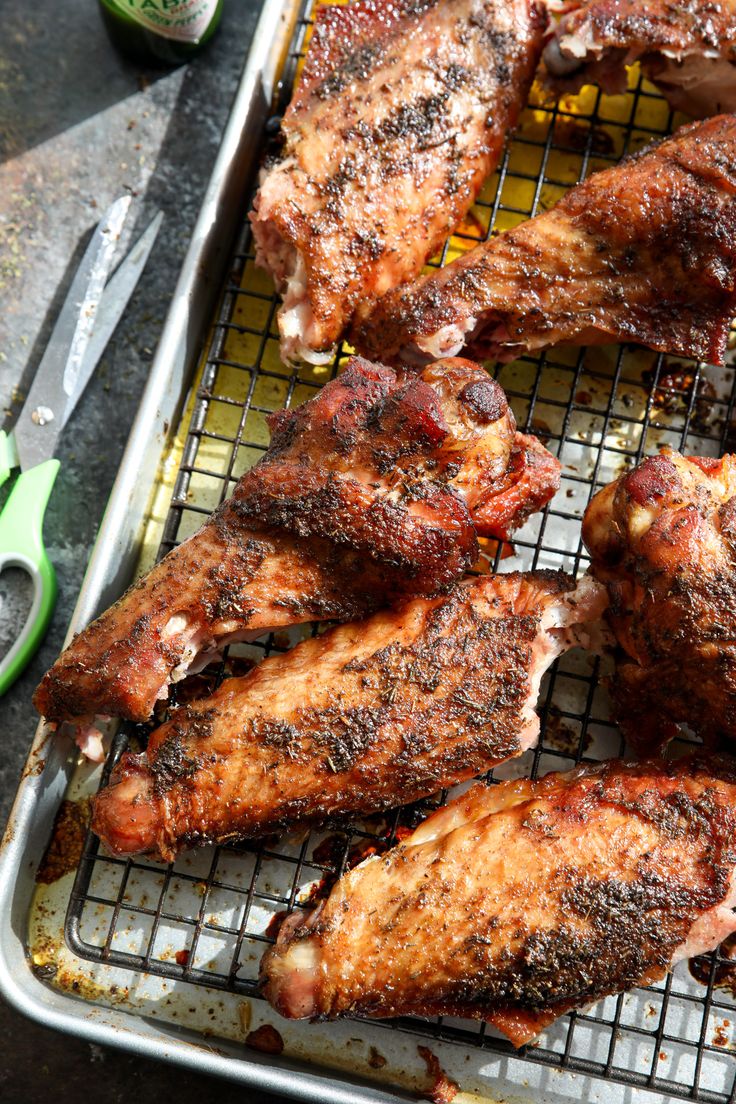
[(443, 1090), (376, 1060), (266, 1039), (67, 841)]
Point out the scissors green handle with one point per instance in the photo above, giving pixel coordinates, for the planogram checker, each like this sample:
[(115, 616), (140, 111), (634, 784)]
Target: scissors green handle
[(21, 545)]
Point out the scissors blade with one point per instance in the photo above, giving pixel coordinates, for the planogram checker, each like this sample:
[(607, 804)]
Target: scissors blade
[(45, 409), (115, 299)]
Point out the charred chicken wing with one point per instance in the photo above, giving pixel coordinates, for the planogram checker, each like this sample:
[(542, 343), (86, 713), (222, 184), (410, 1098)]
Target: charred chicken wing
[(368, 716), (663, 540), (374, 489), (519, 902), (400, 115), (687, 49), (643, 252)]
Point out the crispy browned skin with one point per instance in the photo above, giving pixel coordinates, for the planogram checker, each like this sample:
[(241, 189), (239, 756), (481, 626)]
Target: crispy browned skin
[(399, 116), (663, 540), (687, 49), (368, 492), (368, 716), (644, 252), (518, 902), (532, 477)]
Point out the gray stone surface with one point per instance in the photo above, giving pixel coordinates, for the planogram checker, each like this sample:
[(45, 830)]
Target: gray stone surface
[(78, 126)]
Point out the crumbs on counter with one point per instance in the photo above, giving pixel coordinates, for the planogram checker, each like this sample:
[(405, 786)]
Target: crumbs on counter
[(65, 847)]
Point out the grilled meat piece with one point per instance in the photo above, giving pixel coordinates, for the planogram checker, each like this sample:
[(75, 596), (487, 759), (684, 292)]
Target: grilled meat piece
[(367, 716), (400, 115), (367, 493), (688, 50), (643, 252), (519, 902), (532, 477), (663, 540)]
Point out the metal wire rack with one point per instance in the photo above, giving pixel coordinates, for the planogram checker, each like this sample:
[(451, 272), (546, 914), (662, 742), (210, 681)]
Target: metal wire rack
[(207, 918)]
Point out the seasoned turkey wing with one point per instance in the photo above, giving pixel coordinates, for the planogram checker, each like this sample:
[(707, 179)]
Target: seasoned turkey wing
[(662, 538), (687, 49), (366, 717), (532, 477), (374, 489), (518, 902), (644, 252), (400, 114)]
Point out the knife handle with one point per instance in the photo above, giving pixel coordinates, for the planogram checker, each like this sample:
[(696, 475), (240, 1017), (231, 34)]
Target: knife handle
[(21, 545)]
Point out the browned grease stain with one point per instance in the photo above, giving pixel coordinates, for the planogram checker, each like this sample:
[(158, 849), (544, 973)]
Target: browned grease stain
[(542, 429), (443, 1090), (266, 1039), (724, 973), (721, 1035), (329, 851), (274, 924), (563, 736), (580, 136), (676, 387), (64, 849), (375, 1059)]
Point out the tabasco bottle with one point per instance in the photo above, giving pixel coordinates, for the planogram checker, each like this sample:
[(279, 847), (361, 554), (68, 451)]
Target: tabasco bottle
[(159, 32)]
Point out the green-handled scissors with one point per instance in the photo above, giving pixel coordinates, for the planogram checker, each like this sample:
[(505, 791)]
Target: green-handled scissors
[(91, 311)]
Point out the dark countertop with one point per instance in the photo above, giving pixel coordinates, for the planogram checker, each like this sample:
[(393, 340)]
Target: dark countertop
[(78, 126)]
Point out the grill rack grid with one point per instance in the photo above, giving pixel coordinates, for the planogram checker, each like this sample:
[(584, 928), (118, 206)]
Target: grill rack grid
[(602, 411)]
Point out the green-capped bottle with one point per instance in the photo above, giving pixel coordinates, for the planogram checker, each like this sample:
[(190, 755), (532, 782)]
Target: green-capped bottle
[(159, 32)]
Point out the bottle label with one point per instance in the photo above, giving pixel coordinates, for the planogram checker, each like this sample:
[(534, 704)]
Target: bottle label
[(182, 20)]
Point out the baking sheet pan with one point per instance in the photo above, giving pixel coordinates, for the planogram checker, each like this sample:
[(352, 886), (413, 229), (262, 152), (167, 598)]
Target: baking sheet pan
[(163, 961)]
